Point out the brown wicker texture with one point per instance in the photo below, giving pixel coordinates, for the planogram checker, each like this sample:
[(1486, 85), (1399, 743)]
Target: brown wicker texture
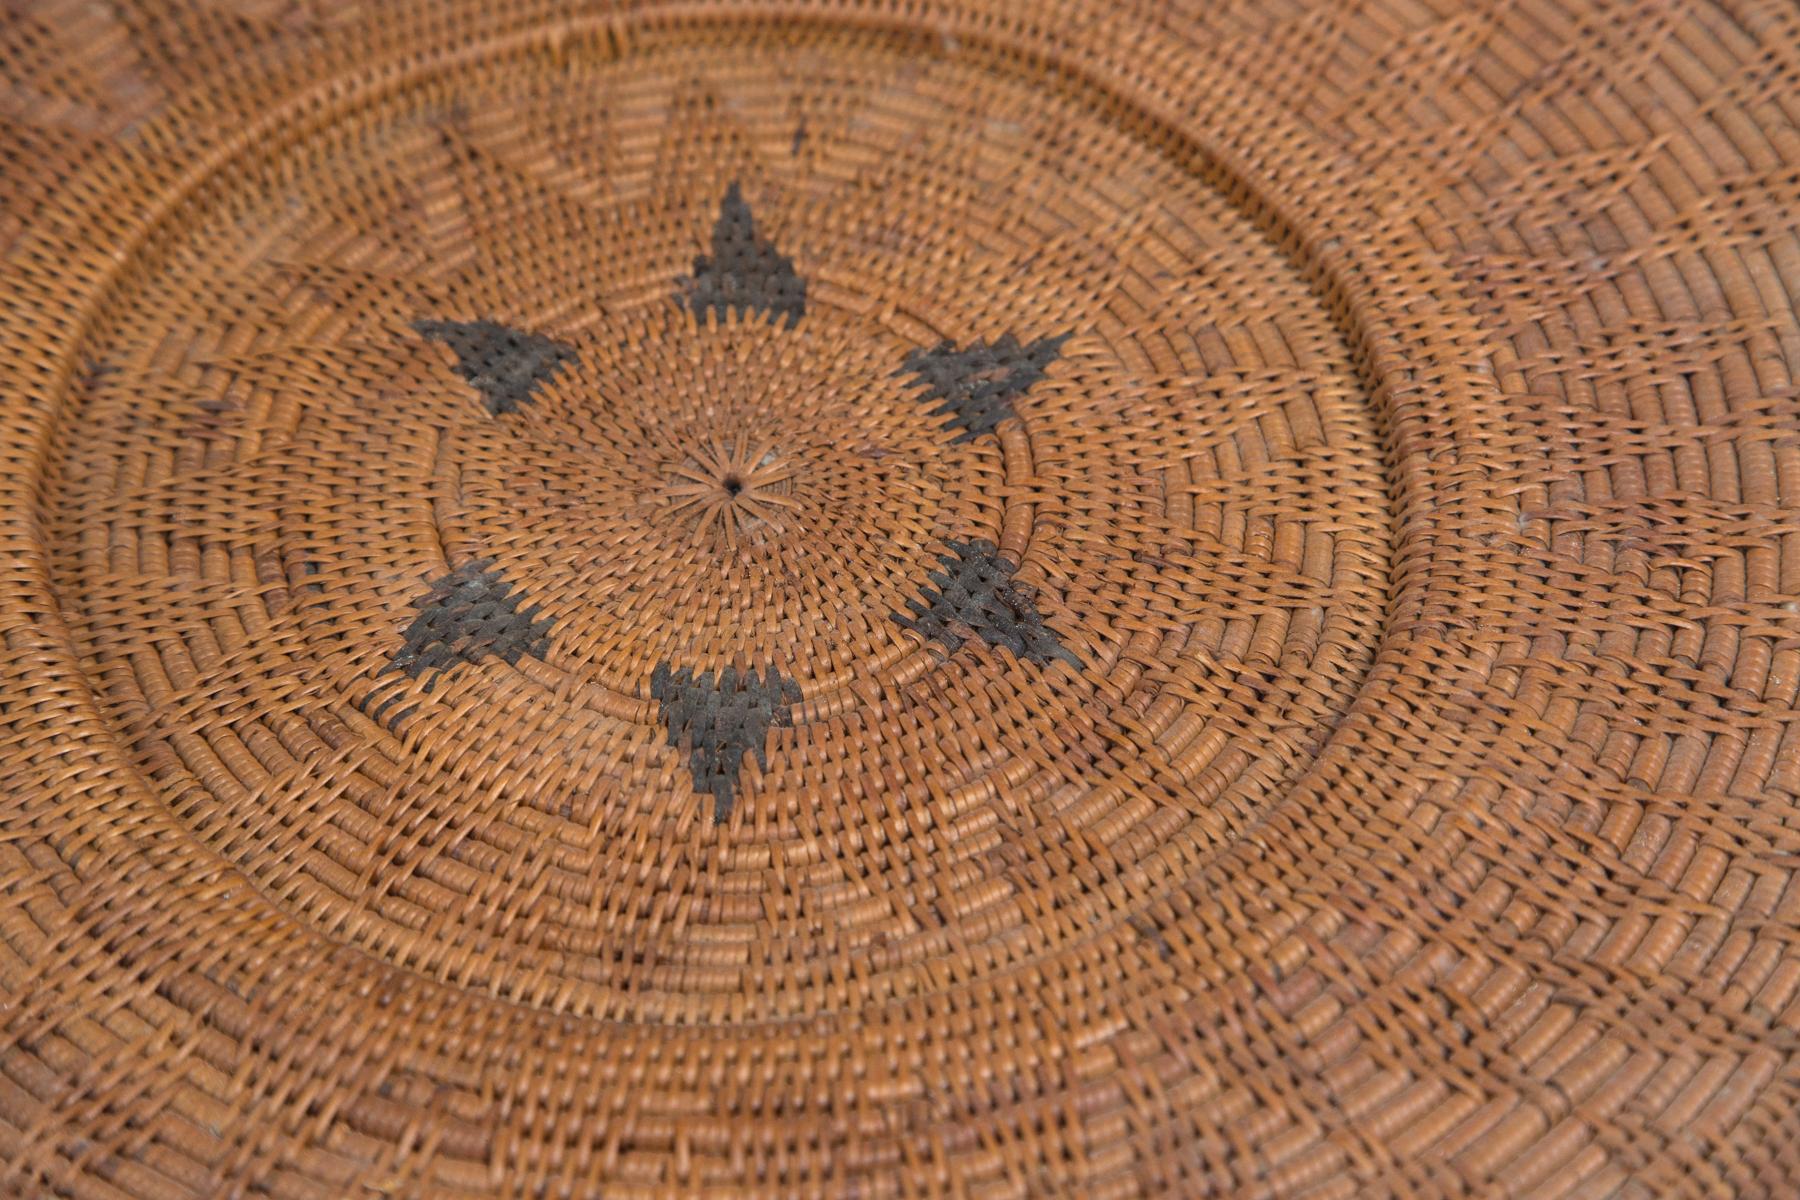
[(899, 598)]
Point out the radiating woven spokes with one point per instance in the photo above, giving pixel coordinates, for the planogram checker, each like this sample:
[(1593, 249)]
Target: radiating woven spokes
[(733, 491), (899, 598)]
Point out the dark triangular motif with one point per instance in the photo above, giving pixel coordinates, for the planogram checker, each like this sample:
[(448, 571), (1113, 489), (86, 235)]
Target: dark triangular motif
[(977, 384), (744, 273), (975, 591), (465, 616), (506, 366), (719, 720)]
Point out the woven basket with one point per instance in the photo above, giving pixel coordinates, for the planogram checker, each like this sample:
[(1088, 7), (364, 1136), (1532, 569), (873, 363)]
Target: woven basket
[(899, 598)]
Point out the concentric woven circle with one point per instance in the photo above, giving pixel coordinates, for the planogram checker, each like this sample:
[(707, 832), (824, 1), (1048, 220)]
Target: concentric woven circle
[(890, 599)]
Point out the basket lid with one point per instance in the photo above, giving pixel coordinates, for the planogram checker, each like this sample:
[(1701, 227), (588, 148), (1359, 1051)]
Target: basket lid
[(860, 597)]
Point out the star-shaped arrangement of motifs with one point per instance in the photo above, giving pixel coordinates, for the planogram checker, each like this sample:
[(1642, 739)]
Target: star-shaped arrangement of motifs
[(734, 489)]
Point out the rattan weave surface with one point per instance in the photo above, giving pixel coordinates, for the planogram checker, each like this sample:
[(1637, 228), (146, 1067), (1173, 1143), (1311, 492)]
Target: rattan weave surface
[(899, 598)]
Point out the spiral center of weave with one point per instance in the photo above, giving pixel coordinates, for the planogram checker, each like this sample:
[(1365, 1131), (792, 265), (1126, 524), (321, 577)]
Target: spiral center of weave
[(663, 568), (899, 598)]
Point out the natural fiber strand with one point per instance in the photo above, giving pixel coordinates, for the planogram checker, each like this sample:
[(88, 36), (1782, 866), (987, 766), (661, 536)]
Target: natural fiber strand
[(859, 598)]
